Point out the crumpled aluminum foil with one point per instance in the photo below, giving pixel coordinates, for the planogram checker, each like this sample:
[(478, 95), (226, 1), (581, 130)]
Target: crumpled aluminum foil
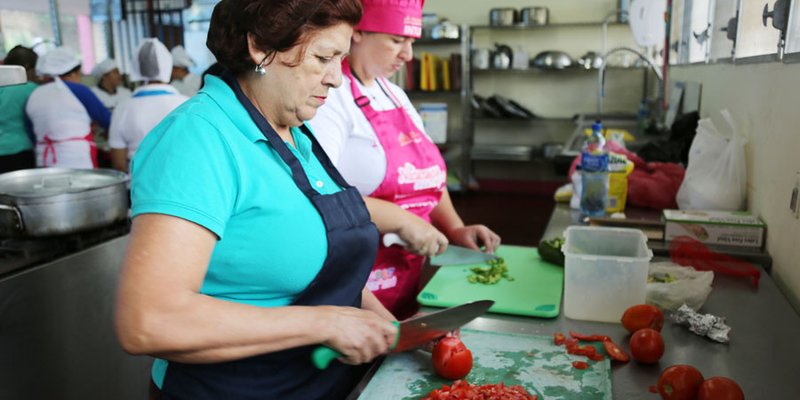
[(708, 325)]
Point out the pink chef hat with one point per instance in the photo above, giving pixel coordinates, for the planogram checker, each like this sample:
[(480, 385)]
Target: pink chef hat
[(395, 17)]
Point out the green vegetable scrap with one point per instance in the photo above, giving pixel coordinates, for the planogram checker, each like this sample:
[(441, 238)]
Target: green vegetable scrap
[(492, 274), (661, 278), (550, 250)]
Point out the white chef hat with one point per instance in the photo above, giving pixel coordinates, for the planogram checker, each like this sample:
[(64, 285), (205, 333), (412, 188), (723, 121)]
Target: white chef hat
[(180, 58), (57, 62), (151, 62), (103, 68)]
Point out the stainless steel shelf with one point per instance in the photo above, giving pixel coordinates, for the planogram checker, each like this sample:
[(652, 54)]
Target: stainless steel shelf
[(534, 70), (588, 24), (427, 42), (501, 152)]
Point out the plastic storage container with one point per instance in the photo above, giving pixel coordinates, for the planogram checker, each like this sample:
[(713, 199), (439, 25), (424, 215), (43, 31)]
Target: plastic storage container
[(605, 272)]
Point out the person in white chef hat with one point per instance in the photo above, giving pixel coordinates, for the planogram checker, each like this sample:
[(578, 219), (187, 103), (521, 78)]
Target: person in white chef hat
[(61, 112), (109, 87), (151, 102), (186, 82)]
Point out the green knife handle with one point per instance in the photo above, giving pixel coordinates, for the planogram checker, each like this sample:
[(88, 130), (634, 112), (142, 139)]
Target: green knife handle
[(322, 356)]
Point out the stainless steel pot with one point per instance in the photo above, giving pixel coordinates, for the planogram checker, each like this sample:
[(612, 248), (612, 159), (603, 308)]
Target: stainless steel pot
[(56, 201), (531, 16), (505, 16)]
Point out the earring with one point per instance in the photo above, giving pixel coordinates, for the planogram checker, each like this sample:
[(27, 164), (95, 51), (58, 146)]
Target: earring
[(260, 67)]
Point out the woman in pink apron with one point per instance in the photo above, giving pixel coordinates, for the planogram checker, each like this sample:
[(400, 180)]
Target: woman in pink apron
[(375, 137)]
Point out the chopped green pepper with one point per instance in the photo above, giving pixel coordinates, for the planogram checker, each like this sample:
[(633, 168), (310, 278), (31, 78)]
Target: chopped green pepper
[(492, 274)]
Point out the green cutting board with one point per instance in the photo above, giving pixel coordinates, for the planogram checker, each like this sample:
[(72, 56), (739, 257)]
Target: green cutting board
[(535, 290), (534, 362)]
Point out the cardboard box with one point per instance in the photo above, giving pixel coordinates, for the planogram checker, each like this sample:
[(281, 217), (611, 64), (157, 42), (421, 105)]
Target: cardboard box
[(715, 227)]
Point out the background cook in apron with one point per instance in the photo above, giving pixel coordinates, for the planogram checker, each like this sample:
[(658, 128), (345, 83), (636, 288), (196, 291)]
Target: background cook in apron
[(61, 113), (245, 251), (152, 65), (375, 138)]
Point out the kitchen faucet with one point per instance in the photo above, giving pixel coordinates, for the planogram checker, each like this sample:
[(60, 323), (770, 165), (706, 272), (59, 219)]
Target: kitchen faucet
[(604, 57)]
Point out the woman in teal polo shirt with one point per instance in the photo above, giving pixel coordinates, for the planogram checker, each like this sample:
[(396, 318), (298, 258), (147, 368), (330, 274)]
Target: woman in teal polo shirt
[(16, 147), (247, 247)]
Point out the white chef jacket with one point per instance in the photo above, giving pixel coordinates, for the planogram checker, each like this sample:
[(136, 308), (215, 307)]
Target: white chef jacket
[(135, 117), (112, 100), (58, 115), (189, 85), (348, 138)]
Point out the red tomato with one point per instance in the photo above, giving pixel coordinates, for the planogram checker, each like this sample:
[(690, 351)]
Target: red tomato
[(647, 346), (615, 352), (588, 338), (451, 359), (679, 382), (642, 316), (720, 388)]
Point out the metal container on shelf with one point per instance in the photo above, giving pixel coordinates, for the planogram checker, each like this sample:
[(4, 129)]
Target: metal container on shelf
[(534, 16), (503, 16), (56, 201)]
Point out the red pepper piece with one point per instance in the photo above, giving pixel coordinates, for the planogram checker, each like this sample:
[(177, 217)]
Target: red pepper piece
[(580, 364), (588, 338), (559, 338)]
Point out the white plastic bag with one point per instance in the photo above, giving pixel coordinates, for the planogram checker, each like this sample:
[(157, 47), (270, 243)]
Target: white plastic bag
[(670, 285), (716, 177)]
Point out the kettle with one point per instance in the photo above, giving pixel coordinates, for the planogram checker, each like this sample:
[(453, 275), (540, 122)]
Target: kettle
[(502, 56)]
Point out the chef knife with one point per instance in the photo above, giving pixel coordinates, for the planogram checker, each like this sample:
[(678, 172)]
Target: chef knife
[(453, 255), (417, 331)]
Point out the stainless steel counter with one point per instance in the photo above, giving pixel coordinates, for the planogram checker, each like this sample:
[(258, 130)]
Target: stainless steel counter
[(56, 333), (762, 356)]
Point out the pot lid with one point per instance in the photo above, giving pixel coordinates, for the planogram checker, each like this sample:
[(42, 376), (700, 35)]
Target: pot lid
[(39, 182)]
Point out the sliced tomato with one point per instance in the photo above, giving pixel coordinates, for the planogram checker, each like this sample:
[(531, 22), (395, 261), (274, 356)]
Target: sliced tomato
[(580, 364), (559, 338), (588, 338), (615, 352), (597, 357), (464, 390)]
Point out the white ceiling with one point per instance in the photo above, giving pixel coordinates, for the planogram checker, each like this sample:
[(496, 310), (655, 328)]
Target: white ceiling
[(75, 7)]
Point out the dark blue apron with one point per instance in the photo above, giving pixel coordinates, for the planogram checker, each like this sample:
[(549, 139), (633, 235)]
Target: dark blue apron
[(352, 247)]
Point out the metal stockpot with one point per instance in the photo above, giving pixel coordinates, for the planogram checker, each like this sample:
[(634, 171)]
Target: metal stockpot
[(532, 16), (502, 16), (57, 201)]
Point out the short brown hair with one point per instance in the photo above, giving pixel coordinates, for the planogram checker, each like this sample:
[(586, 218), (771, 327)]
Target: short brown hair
[(276, 25), (22, 56)]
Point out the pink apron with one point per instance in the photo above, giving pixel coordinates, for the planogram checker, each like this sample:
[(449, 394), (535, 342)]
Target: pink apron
[(415, 180), (50, 158)]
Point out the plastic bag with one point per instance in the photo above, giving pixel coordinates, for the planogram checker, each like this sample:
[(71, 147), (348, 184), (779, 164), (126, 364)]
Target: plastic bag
[(670, 285), (716, 177)]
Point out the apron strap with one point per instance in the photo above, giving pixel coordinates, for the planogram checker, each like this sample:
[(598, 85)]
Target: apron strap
[(298, 175), (361, 101)]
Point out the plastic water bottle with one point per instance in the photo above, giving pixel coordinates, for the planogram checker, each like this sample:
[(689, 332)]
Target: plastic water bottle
[(594, 173)]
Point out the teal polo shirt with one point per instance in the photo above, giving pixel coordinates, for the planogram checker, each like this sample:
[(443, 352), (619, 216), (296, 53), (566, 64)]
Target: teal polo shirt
[(208, 163), (13, 134)]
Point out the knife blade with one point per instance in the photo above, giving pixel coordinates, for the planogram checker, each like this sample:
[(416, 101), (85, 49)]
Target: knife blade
[(417, 331), (457, 255), (453, 255)]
